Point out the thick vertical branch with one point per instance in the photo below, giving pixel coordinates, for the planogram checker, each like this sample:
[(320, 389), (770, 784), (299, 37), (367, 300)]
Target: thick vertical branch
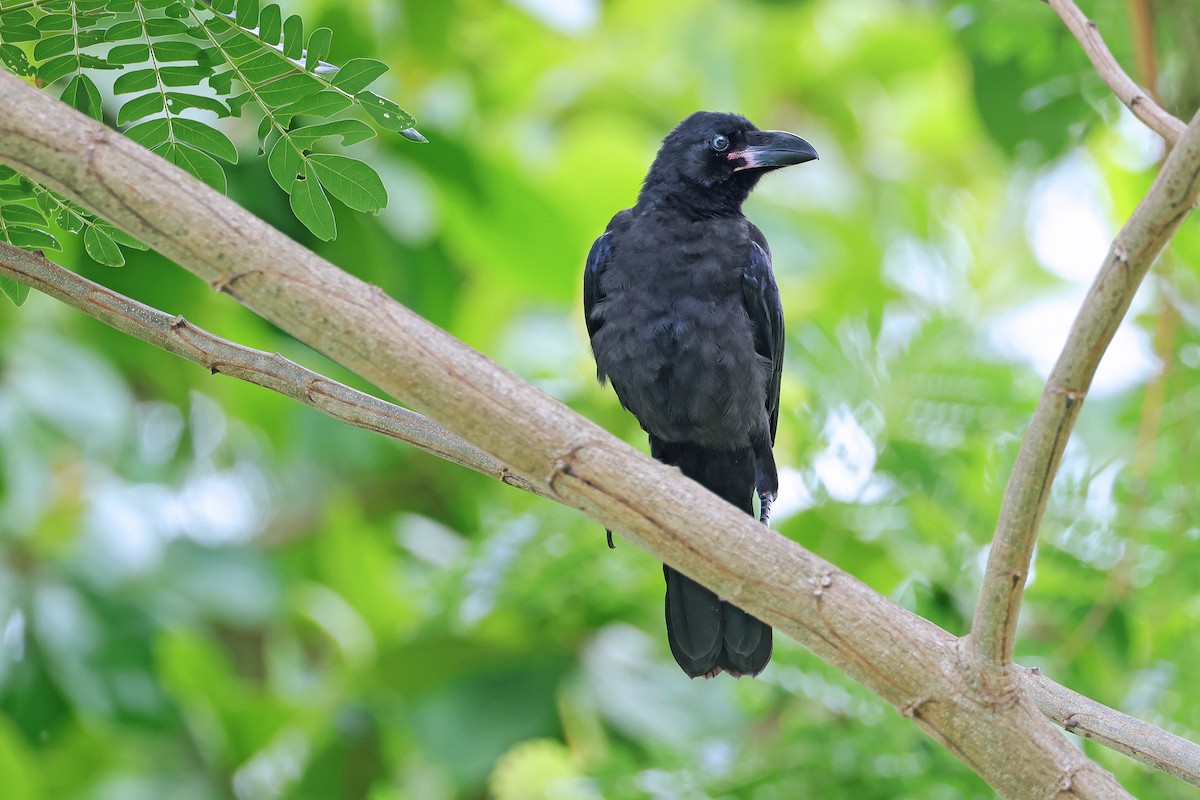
[(1170, 199)]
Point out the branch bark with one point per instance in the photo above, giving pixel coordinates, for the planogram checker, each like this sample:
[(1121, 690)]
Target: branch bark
[(1171, 197), (270, 370), (1137, 739), (1138, 101), (920, 669)]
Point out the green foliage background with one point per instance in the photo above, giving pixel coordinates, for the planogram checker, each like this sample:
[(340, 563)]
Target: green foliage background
[(207, 591)]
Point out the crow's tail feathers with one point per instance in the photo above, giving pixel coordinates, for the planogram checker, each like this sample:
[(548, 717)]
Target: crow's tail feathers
[(707, 634)]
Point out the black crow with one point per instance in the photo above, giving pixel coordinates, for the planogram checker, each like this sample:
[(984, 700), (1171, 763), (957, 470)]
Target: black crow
[(685, 322)]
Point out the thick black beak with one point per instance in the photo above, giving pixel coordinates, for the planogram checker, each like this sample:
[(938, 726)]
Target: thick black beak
[(773, 149)]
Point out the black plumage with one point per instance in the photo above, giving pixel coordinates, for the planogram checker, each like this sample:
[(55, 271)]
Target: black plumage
[(685, 321)]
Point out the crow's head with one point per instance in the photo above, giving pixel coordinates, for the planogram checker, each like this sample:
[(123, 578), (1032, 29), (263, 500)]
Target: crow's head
[(712, 161)]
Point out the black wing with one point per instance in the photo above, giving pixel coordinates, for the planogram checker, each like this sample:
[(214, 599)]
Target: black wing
[(761, 298), (597, 260)]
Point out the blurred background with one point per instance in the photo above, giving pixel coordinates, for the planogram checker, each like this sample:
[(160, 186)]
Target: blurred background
[(208, 591)]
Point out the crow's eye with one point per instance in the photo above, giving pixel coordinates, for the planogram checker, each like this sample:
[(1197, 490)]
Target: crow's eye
[(719, 142)]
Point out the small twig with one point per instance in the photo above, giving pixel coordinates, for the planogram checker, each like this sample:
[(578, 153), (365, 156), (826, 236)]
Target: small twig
[(1170, 199), (1139, 102), (1140, 740), (269, 370)]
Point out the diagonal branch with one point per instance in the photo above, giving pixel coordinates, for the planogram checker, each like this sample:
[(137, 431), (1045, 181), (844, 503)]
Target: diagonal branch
[(1138, 101), (270, 370), (1077, 714), (1154, 221)]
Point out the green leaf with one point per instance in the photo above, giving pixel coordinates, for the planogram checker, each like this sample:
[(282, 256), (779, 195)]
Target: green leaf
[(247, 13), (178, 51), (53, 46), (165, 26), (311, 206), (351, 181), (19, 16), (139, 80), (55, 22), (190, 75), (101, 247), (123, 31), (351, 130), (265, 67), (202, 137), (15, 214), (293, 37), (152, 133), (221, 82), (265, 125), (178, 101), (357, 73), (289, 89), (237, 102), (81, 94), (325, 103), (129, 54), (138, 107), (89, 61), (57, 68), (14, 60), (285, 163), (88, 37), (18, 293), (32, 238), (21, 33), (318, 47), (199, 164), (119, 236), (385, 112), (270, 24)]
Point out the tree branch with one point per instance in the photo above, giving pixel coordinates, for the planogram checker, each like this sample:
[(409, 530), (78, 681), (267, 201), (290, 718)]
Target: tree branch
[(1138, 101), (270, 370), (1139, 740), (906, 660), (1074, 712), (1154, 221)]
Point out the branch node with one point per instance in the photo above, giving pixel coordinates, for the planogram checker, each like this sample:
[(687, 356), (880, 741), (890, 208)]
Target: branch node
[(178, 322), (1072, 395), (223, 282), (563, 464), (1066, 784), (912, 709)]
